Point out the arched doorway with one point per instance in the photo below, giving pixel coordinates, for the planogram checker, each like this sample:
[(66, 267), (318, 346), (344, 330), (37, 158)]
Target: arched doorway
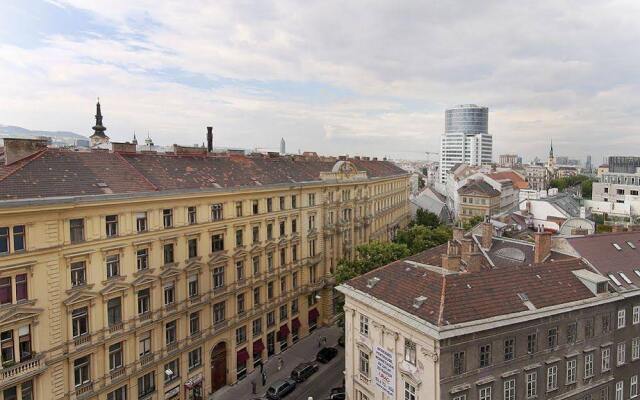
[(218, 366)]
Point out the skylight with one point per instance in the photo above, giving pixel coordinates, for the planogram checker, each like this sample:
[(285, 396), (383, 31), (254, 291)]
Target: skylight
[(523, 296), (372, 282), (418, 301), (637, 271), (617, 246), (615, 280), (633, 246), (624, 277)]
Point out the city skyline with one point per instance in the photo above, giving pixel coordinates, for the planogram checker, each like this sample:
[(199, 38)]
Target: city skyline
[(326, 77)]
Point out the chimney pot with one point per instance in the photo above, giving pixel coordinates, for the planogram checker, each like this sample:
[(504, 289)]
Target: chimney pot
[(487, 235), (15, 149), (542, 246), (209, 139)]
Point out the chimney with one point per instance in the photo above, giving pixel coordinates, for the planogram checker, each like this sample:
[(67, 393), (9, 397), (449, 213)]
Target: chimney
[(209, 139), (451, 260), (542, 246), (475, 262), (117, 147), (16, 149), (467, 248), (458, 233), (487, 235)]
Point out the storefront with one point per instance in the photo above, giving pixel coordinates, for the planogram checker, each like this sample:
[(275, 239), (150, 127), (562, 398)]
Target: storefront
[(193, 388), (241, 363), (313, 319), (172, 393), (283, 336), (295, 330), (258, 349)]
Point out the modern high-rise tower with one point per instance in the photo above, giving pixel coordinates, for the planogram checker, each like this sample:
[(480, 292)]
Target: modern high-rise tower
[(466, 138)]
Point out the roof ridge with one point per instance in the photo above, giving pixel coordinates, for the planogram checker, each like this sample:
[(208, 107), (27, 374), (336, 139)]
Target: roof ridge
[(25, 161), (442, 298), (132, 167)]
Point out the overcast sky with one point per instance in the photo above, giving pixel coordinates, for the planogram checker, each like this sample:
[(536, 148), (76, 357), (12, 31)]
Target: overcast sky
[(357, 77)]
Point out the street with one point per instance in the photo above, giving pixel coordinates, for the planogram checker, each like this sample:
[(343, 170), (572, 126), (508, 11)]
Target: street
[(319, 385)]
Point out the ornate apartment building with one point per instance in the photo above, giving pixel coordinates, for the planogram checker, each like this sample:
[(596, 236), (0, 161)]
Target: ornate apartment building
[(139, 275), (489, 318)]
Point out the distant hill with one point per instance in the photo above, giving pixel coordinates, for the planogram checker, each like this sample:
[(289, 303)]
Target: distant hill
[(58, 137)]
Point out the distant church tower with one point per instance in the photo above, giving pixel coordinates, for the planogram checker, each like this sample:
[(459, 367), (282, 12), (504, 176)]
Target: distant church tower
[(98, 136), (283, 148), (551, 163)]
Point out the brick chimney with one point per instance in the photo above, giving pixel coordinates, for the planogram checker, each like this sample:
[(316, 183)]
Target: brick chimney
[(487, 235), (458, 233), (451, 260), (16, 149), (118, 147), (542, 246), (209, 139), (475, 262)]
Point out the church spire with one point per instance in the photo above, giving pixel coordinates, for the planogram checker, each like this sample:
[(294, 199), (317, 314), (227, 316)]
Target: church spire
[(551, 151), (99, 129)]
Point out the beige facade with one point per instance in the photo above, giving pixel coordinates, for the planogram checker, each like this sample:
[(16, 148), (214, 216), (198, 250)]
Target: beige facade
[(132, 296)]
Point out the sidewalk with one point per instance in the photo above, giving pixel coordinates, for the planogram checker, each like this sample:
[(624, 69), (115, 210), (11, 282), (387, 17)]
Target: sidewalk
[(303, 351)]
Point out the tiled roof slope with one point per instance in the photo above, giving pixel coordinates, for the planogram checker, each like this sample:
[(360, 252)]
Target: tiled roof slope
[(465, 297), (482, 187), (518, 181), (58, 172), (599, 251)]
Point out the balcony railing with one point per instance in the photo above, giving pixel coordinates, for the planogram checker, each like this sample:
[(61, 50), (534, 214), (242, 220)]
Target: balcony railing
[(82, 340), (84, 390), (171, 347), (117, 373), (145, 316), (146, 359), (217, 327), (116, 327), (20, 369)]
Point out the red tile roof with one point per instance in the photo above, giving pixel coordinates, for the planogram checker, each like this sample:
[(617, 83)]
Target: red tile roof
[(478, 187), (463, 297), (60, 172), (518, 181)]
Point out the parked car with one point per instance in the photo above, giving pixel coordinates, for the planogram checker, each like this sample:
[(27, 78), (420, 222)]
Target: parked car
[(303, 371), (338, 393), (279, 389), (341, 341), (326, 354)]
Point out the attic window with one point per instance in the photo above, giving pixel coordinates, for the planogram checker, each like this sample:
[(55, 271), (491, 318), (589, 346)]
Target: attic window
[(624, 277), (523, 296), (418, 301), (372, 282), (101, 184), (617, 246), (633, 246), (637, 271), (602, 287), (615, 280)]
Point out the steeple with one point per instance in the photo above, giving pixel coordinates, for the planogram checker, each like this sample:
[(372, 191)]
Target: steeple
[(283, 148), (135, 140), (99, 129), (551, 151)]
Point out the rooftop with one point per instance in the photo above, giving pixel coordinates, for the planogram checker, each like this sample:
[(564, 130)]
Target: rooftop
[(518, 181), (478, 187)]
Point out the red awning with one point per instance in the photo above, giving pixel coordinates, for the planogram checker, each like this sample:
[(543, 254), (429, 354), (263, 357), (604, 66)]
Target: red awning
[(243, 356), (295, 324), (313, 314), (258, 347), (283, 332)]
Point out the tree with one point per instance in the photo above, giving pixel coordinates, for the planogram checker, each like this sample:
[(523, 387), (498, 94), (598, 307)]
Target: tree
[(586, 186), (368, 257), (470, 223), (419, 237), (427, 218)]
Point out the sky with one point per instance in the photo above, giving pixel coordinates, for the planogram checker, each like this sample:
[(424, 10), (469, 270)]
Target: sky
[(336, 77)]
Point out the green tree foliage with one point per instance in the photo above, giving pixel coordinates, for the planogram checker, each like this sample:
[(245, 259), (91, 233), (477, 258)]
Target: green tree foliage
[(426, 218), (586, 186), (470, 223), (569, 181), (368, 257), (419, 237)]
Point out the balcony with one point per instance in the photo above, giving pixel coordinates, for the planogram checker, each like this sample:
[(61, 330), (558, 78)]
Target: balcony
[(171, 347), (117, 373), (313, 260), (169, 308), (22, 370), (220, 326), (144, 317), (116, 327), (85, 390), (195, 299), (146, 359), (82, 340), (317, 285), (217, 291)]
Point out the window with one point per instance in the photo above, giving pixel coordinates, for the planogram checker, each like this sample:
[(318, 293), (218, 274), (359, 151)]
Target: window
[(115, 356), (410, 352), (409, 391), (256, 265), (256, 296), (80, 321), (217, 243), (606, 323), (144, 301), (294, 225), (283, 313), (168, 253), (192, 215), (255, 234), (283, 257), (78, 273), (532, 343), (192, 245), (145, 343), (485, 355), (552, 378), (270, 293), (294, 280), (485, 393), (621, 319), (118, 394), (169, 294), (636, 315), (239, 237), (257, 327), (111, 225), (216, 212), (146, 384), (238, 209), (239, 270), (588, 328), (604, 393), (635, 348), (271, 318), (312, 222), (633, 386), (269, 231), (312, 199), (171, 332), (294, 307), (114, 311), (4, 240), (509, 349), (510, 389), (142, 259), (113, 265), (241, 335), (363, 364), (283, 285), (141, 222), (192, 286), (254, 207), (571, 371), (172, 370), (364, 325), (606, 359), (294, 253), (269, 205), (312, 248), (195, 358), (81, 371), (572, 332), (532, 384), (552, 338), (621, 353), (218, 312), (588, 365), (76, 230), (167, 218), (194, 323), (7, 356), (282, 228), (459, 366), (218, 277), (240, 303), (620, 390), (281, 201)]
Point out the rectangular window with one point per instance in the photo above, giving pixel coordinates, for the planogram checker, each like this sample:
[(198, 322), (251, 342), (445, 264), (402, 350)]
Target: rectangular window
[(216, 212), (141, 222), (113, 265), (269, 205), (21, 288), (621, 319), (145, 343), (218, 312), (194, 323), (144, 301), (283, 230), (552, 338), (485, 355), (294, 226), (111, 225), (76, 230), (312, 199), (241, 335), (192, 286), (80, 321), (635, 348), (142, 259), (604, 393), (81, 371), (532, 343), (364, 325), (552, 378), (633, 386), (171, 332), (572, 332), (114, 311), (510, 389), (218, 277), (588, 328), (195, 358), (7, 356), (78, 273), (168, 253), (269, 231), (532, 385), (238, 209), (172, 370), (271, 318), (588, 365), (410, 352), (256, 265), (115, 356), (636, 315), (192, 215), (571, 371), (239, 237), (620, 390), (240, 270), (363, 363), (606, 323), (217, 243), (255, 234), (282, 207), (283, 313), (621, 353), (255, 207), (459, 366), (240, 308), (484, 393), (146, 384), (192, 245), (167, 218), (606, 359), (118, 394), (169, 294), (257, 327), (256, 296), (294, 201), (409, 391), (509, 349)]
